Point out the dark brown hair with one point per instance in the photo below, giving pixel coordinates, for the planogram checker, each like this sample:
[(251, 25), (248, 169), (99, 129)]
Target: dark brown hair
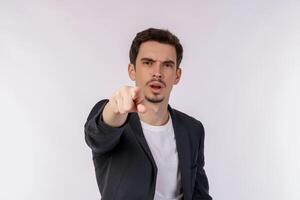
[(158, 35)]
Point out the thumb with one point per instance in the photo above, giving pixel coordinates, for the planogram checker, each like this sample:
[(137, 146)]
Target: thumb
[(141, 108)]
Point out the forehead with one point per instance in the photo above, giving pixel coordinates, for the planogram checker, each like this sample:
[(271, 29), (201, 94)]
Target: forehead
[(157, 51)]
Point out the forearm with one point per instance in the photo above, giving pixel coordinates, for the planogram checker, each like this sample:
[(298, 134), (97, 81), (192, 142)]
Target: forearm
[(99, 136), (201, 187)]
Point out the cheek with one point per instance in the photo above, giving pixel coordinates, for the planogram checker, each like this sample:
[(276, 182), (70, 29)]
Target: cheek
[(140, 81)]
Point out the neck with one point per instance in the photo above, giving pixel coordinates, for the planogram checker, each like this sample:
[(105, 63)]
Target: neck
[(156, 115)]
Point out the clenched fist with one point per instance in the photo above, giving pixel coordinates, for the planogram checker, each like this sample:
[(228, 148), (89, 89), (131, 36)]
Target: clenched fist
[(125, 100)]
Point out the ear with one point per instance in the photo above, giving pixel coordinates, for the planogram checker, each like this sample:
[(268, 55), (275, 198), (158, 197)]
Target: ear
[(178, 75), (131, 72)]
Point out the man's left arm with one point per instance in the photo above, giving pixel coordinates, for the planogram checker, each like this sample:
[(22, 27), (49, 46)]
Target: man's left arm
[(201, 187)]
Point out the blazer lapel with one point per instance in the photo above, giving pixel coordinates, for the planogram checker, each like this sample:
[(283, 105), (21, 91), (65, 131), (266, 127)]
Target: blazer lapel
[(183, 149), (136, 129), (135, 123)]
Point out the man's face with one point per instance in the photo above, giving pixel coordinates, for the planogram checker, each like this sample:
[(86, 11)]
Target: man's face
[(155, 70)]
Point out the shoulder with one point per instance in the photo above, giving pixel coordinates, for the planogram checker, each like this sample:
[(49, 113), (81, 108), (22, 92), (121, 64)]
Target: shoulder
[(188, 120), (97, 108)]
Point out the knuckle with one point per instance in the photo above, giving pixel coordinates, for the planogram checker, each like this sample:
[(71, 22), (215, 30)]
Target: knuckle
[(127, 107)]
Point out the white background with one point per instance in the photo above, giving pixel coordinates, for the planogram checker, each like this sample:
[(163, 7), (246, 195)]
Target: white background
[(241, 71)]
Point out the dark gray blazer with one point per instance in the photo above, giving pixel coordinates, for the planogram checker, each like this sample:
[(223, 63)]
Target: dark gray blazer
[(125, 168)]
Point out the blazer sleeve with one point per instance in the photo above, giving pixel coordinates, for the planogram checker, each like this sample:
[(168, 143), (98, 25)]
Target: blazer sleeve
[(201, 188), (100, 137)]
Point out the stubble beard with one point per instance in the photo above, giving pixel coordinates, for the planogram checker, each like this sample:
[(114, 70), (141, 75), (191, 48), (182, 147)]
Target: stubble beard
[(154, 100)]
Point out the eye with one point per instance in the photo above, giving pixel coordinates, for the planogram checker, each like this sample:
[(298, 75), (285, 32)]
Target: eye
[(147, 62), (168, 64)]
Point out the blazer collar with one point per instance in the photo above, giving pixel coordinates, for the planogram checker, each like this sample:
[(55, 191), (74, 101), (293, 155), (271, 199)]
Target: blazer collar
[(182, 144)]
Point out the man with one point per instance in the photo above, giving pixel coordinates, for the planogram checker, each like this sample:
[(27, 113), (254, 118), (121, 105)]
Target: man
[(142, 148)]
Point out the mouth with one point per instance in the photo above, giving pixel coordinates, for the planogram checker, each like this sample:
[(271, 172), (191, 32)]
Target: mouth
[(156, 87)]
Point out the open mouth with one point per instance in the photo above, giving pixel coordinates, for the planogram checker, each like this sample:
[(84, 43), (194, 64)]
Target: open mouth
[(155, 87)]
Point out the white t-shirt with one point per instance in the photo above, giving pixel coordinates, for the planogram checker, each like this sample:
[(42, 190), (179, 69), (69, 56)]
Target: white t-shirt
[(161, 141)]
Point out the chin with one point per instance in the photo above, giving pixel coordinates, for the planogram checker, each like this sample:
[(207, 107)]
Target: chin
[(154, 99)]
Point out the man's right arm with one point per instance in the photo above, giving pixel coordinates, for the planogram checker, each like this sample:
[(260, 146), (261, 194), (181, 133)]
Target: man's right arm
[(105, 123)]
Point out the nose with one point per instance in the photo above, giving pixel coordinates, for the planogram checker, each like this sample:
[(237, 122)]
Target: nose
[(157, 70)]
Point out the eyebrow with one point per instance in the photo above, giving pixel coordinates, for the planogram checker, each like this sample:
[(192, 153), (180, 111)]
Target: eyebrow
[(169, 62), (164, 62), (147, 59)]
